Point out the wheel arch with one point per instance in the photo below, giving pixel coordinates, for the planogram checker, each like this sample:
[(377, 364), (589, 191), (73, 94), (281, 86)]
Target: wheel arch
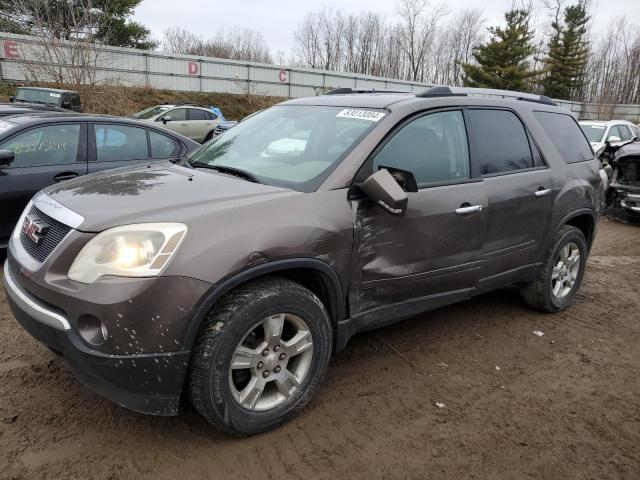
[(585, 221), (312, 273)]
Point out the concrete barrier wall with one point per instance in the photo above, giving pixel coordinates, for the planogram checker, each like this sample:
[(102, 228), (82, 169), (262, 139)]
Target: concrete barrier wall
[(24, 58)]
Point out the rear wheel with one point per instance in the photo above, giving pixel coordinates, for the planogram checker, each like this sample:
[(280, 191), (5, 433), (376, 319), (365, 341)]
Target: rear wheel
[(561, 274), (260, 356)]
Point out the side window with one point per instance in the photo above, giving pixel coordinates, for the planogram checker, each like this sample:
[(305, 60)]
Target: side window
[(211, 115), (501, 143), (119, 142), (53, 145), (75, 101), (177, 114), (625, 133), (163, 146), (566, 135), (433, 147), (614, 132), (196, 114)]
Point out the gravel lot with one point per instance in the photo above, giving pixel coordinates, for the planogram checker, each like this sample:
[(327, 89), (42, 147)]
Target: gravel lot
[(516, 405)]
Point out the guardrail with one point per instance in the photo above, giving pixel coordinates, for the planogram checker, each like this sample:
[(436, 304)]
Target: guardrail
[(24, 58)]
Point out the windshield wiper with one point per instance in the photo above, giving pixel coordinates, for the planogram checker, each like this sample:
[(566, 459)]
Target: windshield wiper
[(229, 170)]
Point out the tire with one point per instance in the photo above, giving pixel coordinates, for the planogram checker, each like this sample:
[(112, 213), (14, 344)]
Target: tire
[(232, 329), (540, 293)]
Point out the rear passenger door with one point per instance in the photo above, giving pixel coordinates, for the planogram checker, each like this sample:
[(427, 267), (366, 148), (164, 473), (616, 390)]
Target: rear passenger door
[(201, 122), (519, 191), (116, 145)]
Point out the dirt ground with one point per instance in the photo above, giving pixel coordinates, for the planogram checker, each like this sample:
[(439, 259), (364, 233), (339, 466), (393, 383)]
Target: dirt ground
[(516, 405)]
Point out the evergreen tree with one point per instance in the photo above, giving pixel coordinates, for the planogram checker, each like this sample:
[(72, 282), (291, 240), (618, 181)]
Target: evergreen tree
[(106, 21), (568, 54), (503, 61)]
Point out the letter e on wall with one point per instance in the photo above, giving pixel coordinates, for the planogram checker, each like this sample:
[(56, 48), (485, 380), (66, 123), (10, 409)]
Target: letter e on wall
[(10, 49)]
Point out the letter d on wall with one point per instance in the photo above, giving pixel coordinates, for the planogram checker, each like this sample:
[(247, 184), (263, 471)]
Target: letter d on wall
[(194, 68)]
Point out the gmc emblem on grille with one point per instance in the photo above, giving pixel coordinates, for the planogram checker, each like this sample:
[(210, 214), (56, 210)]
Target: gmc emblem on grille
[(34, 227)]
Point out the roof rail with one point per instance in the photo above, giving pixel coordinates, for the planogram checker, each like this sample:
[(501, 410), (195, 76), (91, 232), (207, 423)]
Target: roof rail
[(439, 92), (484, 92), (348, 90), (187, 104)]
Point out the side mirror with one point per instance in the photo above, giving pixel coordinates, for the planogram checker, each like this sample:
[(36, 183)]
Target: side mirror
[(614, 139), (11, 98), (166, 119), (382, 188), (6, 158)]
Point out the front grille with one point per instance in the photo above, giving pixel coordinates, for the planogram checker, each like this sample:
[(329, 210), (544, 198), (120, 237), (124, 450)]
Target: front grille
[(49, 239)]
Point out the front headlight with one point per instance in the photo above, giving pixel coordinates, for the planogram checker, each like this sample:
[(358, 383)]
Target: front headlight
[(141, 250)]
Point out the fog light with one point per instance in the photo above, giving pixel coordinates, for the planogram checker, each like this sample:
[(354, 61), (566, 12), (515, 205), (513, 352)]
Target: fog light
[(92, 330)]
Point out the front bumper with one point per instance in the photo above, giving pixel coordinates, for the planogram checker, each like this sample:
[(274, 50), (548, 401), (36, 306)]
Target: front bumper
[(147, 382), (630, 201)]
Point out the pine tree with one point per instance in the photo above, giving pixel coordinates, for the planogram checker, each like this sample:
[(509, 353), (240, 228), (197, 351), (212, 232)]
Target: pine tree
[(568, 53), (503, 61), (106, 21)]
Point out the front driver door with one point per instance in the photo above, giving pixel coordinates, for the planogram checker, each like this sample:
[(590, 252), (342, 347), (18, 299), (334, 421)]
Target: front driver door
[(178, 123), (430, 256), (43, 156)]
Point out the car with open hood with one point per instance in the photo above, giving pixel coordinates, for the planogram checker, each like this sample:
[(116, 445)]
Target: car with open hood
[(622, 196), (615, 132), (231, 278)]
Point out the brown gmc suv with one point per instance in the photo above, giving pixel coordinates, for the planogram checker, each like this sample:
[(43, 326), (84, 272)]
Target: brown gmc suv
[(235, 275)]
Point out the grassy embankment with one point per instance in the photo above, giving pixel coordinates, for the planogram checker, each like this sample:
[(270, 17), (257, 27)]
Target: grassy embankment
[(125, 101)]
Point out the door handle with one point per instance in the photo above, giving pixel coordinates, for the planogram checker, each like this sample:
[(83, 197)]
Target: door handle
[(541, 192), (466, 208), (64, 176)]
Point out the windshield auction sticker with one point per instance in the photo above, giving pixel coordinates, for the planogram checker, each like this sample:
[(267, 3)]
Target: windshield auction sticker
[(361, 114)]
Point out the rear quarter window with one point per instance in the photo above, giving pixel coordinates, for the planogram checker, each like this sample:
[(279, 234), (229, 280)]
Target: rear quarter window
[(566, 135)]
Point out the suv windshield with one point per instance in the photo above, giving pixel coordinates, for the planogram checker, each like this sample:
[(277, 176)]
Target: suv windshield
[(594, 133), (37, 96), (289, 145), (151, 112)]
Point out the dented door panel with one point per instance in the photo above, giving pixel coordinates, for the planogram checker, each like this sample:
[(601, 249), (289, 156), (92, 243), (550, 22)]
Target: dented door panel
[(429, 251)]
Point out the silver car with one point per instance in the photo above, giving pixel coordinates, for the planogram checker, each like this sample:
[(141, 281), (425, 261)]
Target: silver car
[(612, 131), (196, 122)]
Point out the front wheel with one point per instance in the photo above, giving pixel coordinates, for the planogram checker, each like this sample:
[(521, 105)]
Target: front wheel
[(561, 273), (260, 356)]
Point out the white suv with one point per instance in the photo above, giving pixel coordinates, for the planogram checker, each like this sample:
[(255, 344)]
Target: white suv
[(614, 131), (196, 122)]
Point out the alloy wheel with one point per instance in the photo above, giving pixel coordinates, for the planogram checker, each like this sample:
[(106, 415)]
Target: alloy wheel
[(565, 270), (271, 362)]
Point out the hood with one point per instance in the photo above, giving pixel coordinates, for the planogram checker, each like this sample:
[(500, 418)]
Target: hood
[(160, 192)]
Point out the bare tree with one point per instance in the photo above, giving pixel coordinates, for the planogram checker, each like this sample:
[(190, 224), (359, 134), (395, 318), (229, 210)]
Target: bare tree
[(614, 69), (237, 43), (178, 40), (66, 52)]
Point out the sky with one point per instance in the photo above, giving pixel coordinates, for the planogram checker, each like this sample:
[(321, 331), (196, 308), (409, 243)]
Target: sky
[(278, 20)]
